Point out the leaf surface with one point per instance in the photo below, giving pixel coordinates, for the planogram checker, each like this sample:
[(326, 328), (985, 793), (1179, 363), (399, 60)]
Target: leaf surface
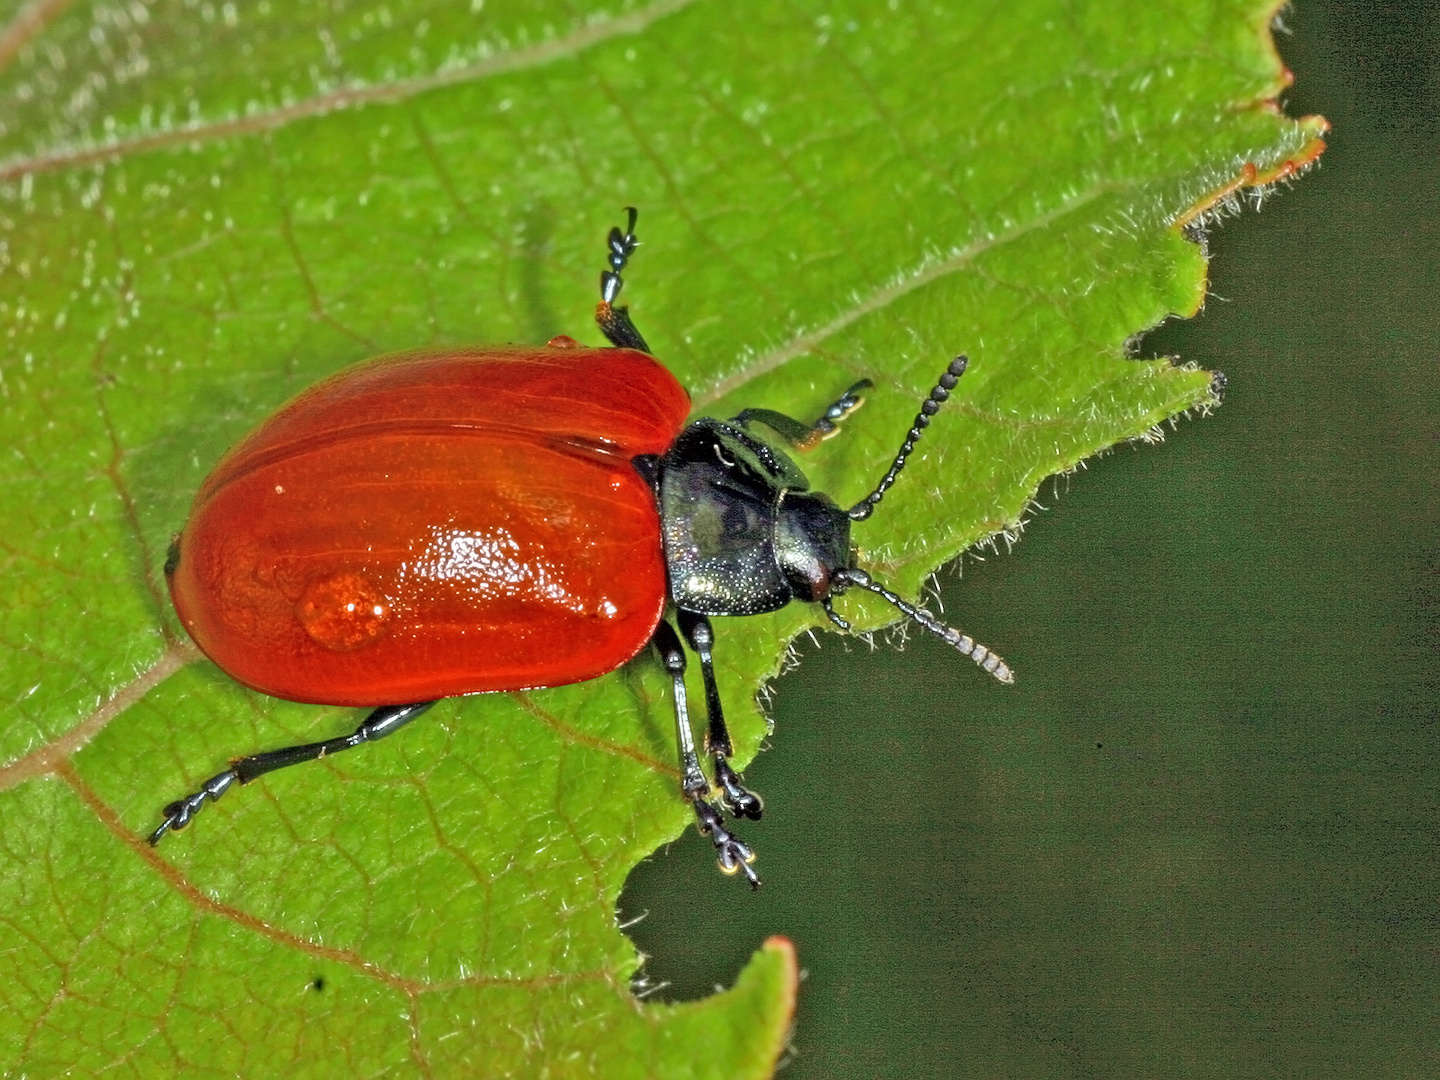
[(206, 208)]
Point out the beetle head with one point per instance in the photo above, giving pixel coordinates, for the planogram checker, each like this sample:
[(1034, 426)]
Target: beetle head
[(813, 550), (812, 543)]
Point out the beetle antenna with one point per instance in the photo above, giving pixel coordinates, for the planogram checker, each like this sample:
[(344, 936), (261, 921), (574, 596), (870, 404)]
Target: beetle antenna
[(928, 408), (964, 643)]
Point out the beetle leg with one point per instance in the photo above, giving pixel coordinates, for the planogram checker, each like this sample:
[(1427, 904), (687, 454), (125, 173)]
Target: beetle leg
[(733, 853), (808, 436), (615, 321), (740, 801), (380, 722)]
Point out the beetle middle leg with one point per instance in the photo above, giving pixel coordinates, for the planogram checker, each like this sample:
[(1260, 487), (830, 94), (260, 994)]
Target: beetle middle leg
[(739, 800), (808, 436), (383, 721), (733, 853)]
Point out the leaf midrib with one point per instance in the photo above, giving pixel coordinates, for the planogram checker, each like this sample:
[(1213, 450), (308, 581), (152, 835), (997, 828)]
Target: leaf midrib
[(354, 96)]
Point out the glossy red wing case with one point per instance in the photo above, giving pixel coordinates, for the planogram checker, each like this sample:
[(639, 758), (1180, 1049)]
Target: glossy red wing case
[(434, 524)]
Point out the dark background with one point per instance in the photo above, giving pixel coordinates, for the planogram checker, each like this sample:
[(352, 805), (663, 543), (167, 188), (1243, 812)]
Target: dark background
[(1198, 838)]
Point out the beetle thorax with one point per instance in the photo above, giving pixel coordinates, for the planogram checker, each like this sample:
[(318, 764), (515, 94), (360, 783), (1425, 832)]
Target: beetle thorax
[(742, 534)]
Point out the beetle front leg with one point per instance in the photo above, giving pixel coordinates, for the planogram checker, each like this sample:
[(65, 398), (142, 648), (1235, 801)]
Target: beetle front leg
[(733, 853), (738, 799), (804, 437)]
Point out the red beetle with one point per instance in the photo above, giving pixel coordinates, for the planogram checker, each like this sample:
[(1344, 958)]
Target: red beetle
[(502, 518)]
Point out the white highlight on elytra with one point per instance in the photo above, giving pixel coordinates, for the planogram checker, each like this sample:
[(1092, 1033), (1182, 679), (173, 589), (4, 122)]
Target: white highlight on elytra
[(492, 563)]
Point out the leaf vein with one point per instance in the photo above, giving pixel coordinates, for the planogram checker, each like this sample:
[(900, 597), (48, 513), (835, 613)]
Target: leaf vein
[(46, 760), (202, 902), (28, 23), (806, 341)]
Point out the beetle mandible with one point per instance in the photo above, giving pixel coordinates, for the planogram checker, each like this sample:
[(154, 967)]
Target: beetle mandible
[(453, 522)]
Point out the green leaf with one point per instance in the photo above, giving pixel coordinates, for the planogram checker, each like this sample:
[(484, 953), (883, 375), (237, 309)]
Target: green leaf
[(205, 208)]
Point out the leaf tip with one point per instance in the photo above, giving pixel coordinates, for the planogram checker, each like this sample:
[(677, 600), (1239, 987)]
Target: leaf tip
[(1252, 177), (777, 955)]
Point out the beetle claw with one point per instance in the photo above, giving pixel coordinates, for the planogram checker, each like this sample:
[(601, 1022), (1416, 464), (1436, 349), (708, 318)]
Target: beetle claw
[(743, 866)]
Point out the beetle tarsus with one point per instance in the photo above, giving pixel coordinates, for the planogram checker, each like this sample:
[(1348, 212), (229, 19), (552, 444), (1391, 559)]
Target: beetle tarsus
[(802, 436), (738, 799), (376, 725), (615, 321), (732, 853), (178, 813), (829, 422)]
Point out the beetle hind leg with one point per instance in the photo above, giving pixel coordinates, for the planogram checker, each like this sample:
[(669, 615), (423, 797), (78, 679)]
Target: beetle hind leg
[(733, 854), (379, 723)]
